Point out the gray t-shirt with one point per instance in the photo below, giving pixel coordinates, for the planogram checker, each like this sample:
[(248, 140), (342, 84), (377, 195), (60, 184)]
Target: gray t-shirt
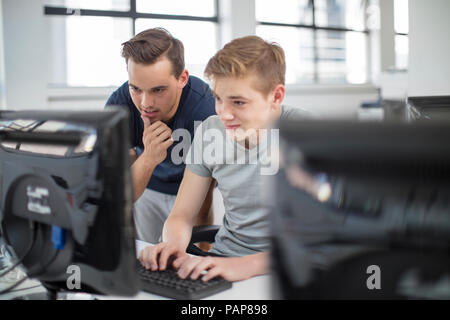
[(239, 173)]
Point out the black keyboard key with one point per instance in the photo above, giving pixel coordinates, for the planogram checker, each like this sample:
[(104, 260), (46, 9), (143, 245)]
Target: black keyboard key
[(167, 283)]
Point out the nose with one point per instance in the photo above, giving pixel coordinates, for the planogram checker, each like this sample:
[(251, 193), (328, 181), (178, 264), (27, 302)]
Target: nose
[(225, 112), (147, 100)]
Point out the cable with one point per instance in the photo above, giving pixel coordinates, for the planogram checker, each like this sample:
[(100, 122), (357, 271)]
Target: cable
[(27, 288), (14, 285), (30, 246), (41, 271)]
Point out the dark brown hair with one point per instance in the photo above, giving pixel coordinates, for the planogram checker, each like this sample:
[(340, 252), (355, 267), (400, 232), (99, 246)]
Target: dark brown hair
[(250, 55), (149, 45)]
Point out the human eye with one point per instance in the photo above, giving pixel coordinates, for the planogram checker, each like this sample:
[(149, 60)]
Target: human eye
[(239, 103), (135, 89), (158, 90)]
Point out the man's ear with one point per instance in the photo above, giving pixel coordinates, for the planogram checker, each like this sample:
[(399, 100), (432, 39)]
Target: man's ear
[(183, 79), (278, 95)]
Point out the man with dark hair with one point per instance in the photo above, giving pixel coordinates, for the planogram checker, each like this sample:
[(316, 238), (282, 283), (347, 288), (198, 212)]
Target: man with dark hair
[(161, 97)]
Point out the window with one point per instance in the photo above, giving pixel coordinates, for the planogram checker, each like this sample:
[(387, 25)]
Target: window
[(203, 8), (91, 34), (325, 41), (401, 26)]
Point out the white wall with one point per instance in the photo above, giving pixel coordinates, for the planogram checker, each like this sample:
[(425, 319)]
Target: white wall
[(331, 101), (429, 61), (27, 62), (77, 98)]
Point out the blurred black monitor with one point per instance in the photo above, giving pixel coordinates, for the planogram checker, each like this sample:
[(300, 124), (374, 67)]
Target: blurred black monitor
[(361, 210), (428, 108), (66, 198), (394, 110)]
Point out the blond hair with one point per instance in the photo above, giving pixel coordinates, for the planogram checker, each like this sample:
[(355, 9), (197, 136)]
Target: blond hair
[(250, 55)]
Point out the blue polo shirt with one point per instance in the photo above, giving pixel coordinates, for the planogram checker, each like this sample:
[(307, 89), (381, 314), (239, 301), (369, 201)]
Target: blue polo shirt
[(196, 104)]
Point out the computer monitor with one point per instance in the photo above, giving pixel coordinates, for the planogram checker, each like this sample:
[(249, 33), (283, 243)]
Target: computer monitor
[(428, 107), (361, 210), (394, 110), (66, 198)]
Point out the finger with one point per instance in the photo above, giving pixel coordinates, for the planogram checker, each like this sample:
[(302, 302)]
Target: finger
[(155, 132), (147, 122), (143, 257), (166, 144), (158, 125), (179, 261), (164, 256), (141, 253), (206, 264), (146, 258), (212, 273), (166, 135), (152, 257), (157, 136), (187, 267)]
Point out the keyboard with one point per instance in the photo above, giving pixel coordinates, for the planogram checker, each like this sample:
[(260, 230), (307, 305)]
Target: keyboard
[(167, 283)]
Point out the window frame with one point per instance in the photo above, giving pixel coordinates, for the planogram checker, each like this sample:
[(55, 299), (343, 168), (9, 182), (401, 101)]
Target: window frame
[(314, 27), (133, 14), (397, 33)]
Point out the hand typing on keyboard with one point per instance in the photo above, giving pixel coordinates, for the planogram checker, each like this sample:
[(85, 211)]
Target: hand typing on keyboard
[(158, 257), (169, 266), (168, 284), (230, 268)]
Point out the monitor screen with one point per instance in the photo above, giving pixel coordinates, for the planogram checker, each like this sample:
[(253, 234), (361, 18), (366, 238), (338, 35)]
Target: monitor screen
[(66, 198), (428, 107), (351, 198)]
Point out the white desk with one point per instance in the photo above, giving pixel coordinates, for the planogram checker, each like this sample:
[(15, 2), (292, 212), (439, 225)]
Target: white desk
[(256, 288), (27, 287)]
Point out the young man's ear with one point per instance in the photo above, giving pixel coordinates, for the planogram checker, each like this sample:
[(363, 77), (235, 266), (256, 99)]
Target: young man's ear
[(183, 79), (278, 95)]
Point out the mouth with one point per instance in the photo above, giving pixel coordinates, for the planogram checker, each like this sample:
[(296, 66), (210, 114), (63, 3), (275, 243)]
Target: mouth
[(231, 127), (149, 113)]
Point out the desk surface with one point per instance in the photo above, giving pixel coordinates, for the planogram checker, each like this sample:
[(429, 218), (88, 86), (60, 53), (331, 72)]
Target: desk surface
[(256, 288)]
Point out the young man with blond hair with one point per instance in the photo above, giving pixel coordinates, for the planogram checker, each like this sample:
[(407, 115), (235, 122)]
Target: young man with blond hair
[(247, 78)]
